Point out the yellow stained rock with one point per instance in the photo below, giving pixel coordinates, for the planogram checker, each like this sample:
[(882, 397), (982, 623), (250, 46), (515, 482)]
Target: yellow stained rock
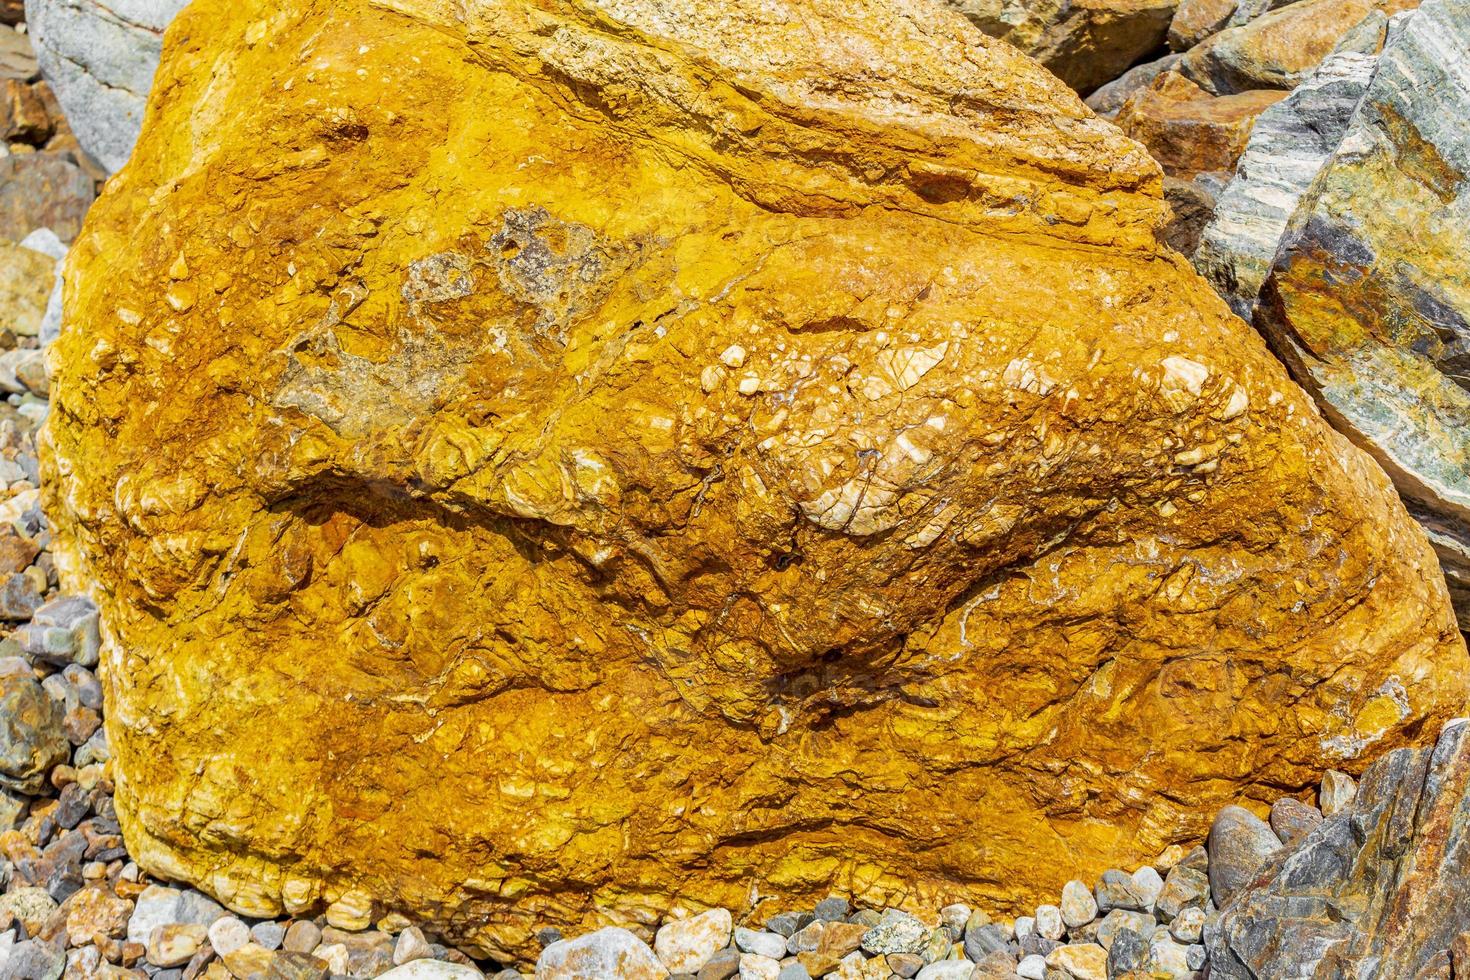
[(545, 462)]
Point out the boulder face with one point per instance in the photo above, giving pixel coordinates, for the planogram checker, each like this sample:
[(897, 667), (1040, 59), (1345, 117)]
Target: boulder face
[(538, 461), (1083, 42), (1370, 305), (100, 59), (1374, 891)]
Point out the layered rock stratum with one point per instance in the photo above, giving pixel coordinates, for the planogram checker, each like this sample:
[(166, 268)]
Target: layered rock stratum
[(537, 462), (1368, 297)]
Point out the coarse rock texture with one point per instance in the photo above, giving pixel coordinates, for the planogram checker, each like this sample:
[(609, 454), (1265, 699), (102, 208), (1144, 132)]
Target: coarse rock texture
[(654, 468), (1108, 99), (100, 58), (42, 190), (26, 280), (1370, 304), (1083, 42), (1188, 130), (1290, 143), (1279, 49), (1191, 206), (1375, 891)]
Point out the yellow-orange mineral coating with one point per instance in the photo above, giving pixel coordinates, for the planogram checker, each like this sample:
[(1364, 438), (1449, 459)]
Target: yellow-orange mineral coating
[(543, 461)]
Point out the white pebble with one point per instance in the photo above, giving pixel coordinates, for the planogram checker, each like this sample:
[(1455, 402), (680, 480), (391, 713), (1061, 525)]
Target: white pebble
[(754, 966), (1032, 967), (228, 934), (1049, 923)]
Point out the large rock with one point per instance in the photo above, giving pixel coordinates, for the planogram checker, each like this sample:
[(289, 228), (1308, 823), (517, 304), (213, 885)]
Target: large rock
[(1370, 303), (1375, 892), (1188, 130), (1083, 42), (100, 57), (26, 280), (1279, 49), (1288, 146), (531, 460)]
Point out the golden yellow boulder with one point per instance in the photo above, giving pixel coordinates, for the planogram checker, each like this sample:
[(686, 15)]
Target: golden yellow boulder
[(544, 460)]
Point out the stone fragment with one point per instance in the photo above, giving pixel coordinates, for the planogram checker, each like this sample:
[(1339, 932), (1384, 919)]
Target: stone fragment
[(1239, 844), (1277, 50), (1291, 819), (31, 907), (1288, 145), (1078, 906), (1049, 922), (1168, 960), (1116, 890), (904, 965), (793, 971), (807, 938), (754, 966), (898, 932), (228, 934), (1032, 967), (951, 970), (1191, 207), (270, 935), (175, 944), (1147, 883), (764, 943), (1084, 961), (406, 337), (101, 66), (983, 939), (95, 914), (35, 959), (439, 970), (840, 938), (63, 631), (26, 278), (726, 963), (1378, 890), (684, 945), (42, 190), (956, 917), (352, 911), (1123, 920), (1188, 925), (1127, 953), (1337, 791), (832, 908), (607, 954), (1369, 304), (31, 736), (1188, 130), (1084, 44)]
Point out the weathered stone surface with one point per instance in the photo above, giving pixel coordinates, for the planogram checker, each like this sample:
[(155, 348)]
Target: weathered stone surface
[(100, 57), (1239, 844), (1083, 42), (606, 953), (1191, 206), (1291, 820), (26, 277), (1188, 130), (42, 190), (1195, 20), (654, 466), (31, 738), (1279, 49), (1108, 99), (1370, 304), (1376, 891), (1289, 144), (17, 58)]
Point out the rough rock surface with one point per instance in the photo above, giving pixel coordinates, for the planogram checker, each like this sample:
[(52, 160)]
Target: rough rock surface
[(100, 58), (1289, 145), (1188, 130), (1370, 305), (1083, 42), (1108, 99), (1279, 49), (42, 190), (666, 460), (1376, 891)]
